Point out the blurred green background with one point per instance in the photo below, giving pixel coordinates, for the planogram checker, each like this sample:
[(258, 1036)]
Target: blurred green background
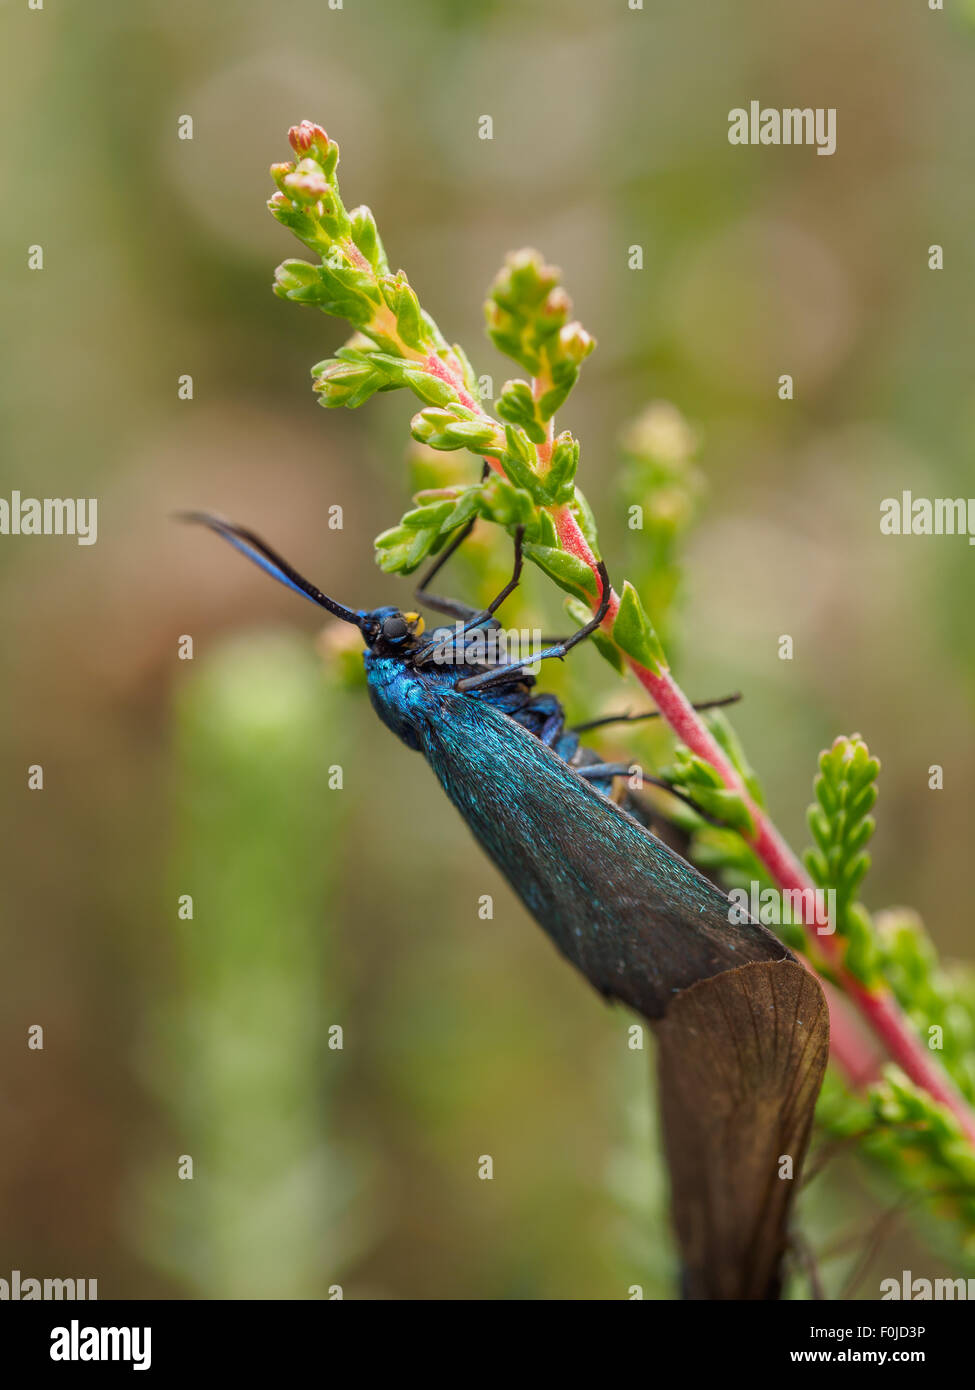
[(314, 906)]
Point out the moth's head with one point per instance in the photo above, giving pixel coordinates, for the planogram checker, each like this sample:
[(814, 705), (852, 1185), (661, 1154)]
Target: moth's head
[(390, 632)]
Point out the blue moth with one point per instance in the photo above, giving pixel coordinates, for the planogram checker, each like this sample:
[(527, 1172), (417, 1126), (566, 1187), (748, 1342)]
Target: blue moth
[(634, 917)]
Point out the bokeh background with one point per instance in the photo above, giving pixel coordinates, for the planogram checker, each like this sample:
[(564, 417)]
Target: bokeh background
[(316, 1166)]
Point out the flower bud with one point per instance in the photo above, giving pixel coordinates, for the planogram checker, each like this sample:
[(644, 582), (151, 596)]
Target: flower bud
[(307, 183), (308, 138), (574, 342), (279, 172)]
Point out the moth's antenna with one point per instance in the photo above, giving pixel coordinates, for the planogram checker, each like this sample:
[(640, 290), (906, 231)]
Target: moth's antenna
[(270, 562)]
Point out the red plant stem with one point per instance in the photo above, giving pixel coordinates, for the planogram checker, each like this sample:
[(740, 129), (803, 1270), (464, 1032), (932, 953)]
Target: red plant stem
[(878, 1007)]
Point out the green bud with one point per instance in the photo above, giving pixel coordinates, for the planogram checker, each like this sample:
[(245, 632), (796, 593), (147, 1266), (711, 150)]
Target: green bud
[(507, 505), (348, 383), (293, 276), (575, 343), (279, 172), (516, 404), (562, 471), (524, 281), (402, 549), (453, 428), (661, 436), (525, 308)]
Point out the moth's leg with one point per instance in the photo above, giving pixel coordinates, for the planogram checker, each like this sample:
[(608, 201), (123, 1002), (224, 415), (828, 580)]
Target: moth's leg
[(452, 608), (650, 714), (553, 727), (603, 771), (482, 617), (559, 650), (543, 716)]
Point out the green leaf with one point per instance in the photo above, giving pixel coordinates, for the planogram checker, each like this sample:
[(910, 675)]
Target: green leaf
[(365, 234), (453, 427), (569, 572), (428, 387), (582, 512), (729, 742), (520, 463), (564, 375), (547, 534), (633, 631), (724, 805), (433, 515), (468, 504)]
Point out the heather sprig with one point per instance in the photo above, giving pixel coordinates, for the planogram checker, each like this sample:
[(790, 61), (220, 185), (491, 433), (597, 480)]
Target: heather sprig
[(916, 1145), (897, 1124), (842, 826), (396, 344), (531, 484)]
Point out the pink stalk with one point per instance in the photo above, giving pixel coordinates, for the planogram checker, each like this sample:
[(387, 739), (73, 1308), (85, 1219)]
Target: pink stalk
[(878, 1007)]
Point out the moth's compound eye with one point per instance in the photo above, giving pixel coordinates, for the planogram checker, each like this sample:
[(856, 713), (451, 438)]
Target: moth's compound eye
[(394, 628)]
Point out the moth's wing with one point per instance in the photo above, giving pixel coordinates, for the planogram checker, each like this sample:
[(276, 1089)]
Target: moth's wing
[(637, 920), (740, 1060)]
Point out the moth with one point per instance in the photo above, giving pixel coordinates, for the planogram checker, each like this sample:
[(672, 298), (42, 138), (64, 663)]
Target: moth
[(638, 921), (742, 1028)]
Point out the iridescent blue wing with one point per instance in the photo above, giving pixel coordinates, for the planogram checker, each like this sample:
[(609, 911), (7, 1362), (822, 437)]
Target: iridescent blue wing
[(637, 920)]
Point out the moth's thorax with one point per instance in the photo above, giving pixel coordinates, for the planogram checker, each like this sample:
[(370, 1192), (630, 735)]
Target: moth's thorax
[(410, 700)]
